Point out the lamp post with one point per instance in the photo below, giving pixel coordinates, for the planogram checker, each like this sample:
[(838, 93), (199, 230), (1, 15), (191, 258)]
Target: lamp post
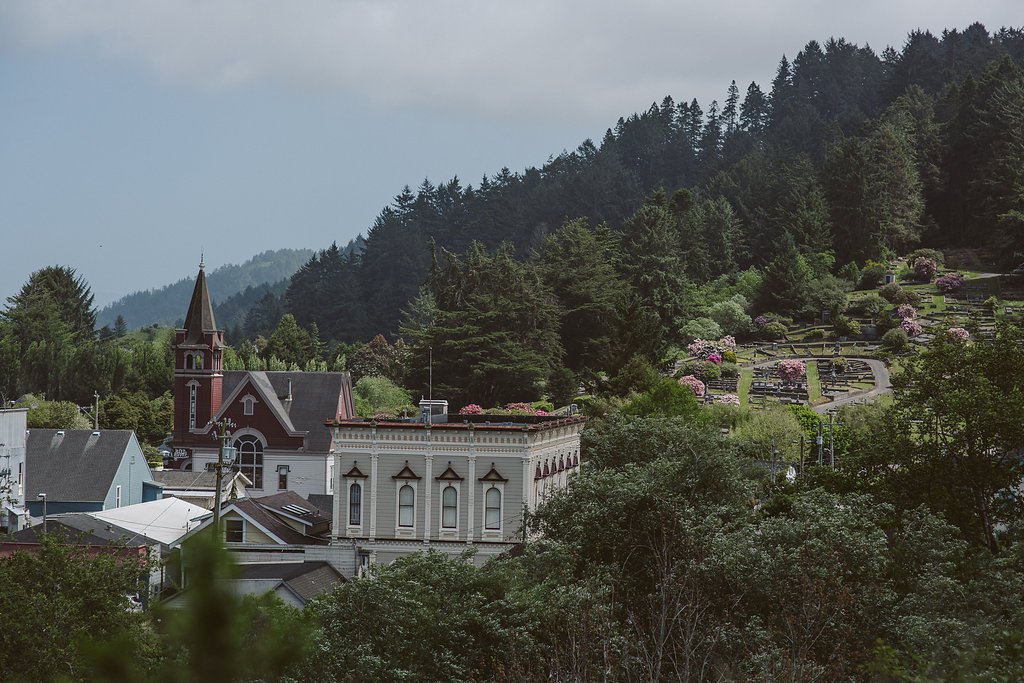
[(42, 497)]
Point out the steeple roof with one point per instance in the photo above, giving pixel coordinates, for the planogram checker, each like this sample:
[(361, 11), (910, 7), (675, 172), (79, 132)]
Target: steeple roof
[(200, 311)]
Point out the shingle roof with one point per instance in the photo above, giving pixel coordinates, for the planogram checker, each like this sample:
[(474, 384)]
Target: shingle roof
[(322, 501), (317, 397), (182, 479), (73, 465), (81, 528), (279, 501), (273, 524), (199, 318), (305, 579)]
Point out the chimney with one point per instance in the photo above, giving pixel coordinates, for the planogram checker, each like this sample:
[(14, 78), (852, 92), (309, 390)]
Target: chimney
[(289, 388)]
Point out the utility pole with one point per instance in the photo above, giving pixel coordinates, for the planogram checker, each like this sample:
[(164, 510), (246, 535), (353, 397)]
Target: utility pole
[(222, 436), (96, 412)]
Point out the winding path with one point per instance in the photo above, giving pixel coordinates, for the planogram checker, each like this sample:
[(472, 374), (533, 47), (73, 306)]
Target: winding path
[(883, 384)]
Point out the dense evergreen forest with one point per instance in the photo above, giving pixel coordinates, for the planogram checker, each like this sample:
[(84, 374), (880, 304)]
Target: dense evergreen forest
[(853, 154)]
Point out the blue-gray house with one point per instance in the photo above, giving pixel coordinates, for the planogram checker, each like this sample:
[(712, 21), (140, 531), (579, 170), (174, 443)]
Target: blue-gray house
[(81, 470)]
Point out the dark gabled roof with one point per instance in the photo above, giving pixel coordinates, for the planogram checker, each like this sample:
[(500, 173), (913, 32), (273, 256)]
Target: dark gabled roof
[(355, 473), (273, 524), (406, 473), (317, 397), (322, 501), (281, 502), (79, 528), (493, 475), (449, 474), (306, 579), (183, 479), (199, 318), (73, 465)]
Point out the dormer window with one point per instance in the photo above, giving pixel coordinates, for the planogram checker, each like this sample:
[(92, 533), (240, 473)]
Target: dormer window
[(247, 404)]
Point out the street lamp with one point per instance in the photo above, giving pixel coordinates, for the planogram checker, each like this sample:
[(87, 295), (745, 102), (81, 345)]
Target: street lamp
[(42, 497)]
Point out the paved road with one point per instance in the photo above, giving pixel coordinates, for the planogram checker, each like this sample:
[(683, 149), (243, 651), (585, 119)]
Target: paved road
[(882, 382)]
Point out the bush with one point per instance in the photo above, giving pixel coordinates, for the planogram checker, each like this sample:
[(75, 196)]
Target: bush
[(731, 318), (701, 328), (891, 291), (909, 297), (895, 340), (704, 370), (870, 305), (815, 335), (729, 356), (773, 331), (950, 282), (545, 406), (931, 254), (375, 395), (991, 303), (846, 327), (850, 272), (924, 268), (871, 276), (729, 369)]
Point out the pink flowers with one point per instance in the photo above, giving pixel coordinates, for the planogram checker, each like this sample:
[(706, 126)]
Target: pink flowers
[(924, 269), (729, 399), (471, 409), (761, 321), (715, 358), (693, 383), (704, 348), (906, 312), (958, 334), (911, 327), (950, 282), (519, 407), (791, 370)]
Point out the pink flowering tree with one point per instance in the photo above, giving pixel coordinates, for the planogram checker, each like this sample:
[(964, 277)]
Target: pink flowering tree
[(693, 383), (958, 334), (911, 327), (924, 269), (950, 282), (729, 399), (471, 409), (715, 358), (705, 348), (906, 312), (791, 370)]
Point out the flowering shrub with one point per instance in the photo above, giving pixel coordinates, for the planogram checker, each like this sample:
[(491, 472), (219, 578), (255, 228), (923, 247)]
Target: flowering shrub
[(693, 383), (911, 327), (958, 334), (471, 409), (906, 312), (950, 282), (791, 370), (761, 321), (729, 399), (715, 358), (705, 348), (703, 370), (541, 413), (924, 269)]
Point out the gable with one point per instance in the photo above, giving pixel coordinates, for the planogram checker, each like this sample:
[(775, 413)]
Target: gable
[(73, 465)]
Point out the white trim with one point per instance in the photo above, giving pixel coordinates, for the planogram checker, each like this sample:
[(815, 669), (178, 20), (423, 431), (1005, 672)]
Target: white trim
[(406, 531), (248, 404), (487, 486), (232, 519), (442, 530), (241, 513), (349, 483)]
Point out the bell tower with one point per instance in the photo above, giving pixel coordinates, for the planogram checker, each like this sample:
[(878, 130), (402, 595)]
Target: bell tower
[(198, 376)]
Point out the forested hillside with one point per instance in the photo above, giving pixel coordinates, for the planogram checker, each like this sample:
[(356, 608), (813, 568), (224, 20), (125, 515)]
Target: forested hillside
[(166, 305), (854, 155)]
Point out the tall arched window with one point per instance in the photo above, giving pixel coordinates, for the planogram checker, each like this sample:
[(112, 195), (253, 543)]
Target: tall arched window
[(406, 506), (189, 361), (192, 390), (492, 508), (355, 504), (449, 507), (250, 459)]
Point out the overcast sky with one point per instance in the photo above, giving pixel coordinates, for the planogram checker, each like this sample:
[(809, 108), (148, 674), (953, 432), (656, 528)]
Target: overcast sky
[(136, 133)]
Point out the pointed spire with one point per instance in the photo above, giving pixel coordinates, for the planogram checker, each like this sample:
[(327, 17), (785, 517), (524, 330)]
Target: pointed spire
[(200, 311)]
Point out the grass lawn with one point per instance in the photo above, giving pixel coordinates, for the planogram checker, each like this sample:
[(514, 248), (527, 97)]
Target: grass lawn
[(746, 379), (813, 384)]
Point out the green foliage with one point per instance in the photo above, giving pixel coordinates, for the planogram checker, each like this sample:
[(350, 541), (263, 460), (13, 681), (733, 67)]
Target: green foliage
[(700, 328), (379, 358), (152, 420), (773, 331), (665, 399), (59, 596), (43, 414), (731, 317), (845, 327), (895, 340), (871, 305), (637, 375), (375, 395)]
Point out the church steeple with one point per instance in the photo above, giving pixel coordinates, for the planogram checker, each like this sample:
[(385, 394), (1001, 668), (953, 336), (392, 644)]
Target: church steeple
[(199, 319)]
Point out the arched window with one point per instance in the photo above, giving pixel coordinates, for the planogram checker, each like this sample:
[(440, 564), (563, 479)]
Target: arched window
[(355, 504), (192, 387), (406, 506), (492, 508), (449, 507), (189, 361), (199, 360), (250, 458)]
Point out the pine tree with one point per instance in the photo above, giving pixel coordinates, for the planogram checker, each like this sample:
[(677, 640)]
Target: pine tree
[(730, 112)]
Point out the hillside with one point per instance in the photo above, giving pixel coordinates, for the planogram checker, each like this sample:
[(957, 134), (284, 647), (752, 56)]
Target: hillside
[(848, 156), (167, 304)]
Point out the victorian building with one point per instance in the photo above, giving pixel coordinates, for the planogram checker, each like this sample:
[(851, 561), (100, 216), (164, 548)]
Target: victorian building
[(407, 486), (278, 438)]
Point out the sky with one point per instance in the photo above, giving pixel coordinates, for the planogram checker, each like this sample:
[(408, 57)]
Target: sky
[(137, 134)]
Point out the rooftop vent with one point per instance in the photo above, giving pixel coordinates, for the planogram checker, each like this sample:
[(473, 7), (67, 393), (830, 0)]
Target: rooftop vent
[(95, 433), (60, 432), (295, 509)]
